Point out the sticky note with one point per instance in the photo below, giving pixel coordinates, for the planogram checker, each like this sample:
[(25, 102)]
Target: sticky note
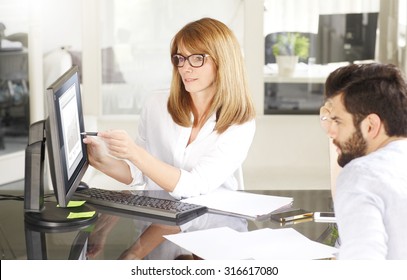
[(79, 215), (74, 203)]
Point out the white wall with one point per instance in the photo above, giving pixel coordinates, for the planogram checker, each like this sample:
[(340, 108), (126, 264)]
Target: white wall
[(288, 152), (12, 167), (62, 24)]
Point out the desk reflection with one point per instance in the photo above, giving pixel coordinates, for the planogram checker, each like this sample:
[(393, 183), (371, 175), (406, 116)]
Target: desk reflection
[(149, 243), (36, 243)]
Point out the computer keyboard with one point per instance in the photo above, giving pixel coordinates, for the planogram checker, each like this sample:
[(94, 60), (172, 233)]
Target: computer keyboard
[(142, 205)]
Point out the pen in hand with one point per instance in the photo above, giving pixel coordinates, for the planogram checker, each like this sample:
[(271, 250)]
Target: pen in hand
[(89, 133)]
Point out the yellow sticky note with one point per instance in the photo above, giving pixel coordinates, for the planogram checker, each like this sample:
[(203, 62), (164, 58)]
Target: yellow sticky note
[(76, 203), (79, 215)]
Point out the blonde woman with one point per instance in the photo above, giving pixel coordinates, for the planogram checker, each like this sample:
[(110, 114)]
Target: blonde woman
[(192, 140)]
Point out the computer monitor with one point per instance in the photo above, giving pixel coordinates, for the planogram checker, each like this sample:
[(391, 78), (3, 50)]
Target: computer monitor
[(66, 151), (341, 38), (347, 37), (67, 156)]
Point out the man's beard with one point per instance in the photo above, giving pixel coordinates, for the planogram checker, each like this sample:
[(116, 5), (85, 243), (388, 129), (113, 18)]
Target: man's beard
[(354, 147)]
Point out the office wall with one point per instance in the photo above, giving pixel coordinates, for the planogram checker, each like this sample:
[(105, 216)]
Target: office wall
[(288, 152)]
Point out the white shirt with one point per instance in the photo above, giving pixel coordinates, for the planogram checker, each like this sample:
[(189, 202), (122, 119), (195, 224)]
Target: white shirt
[(371, 205), (206, 164)]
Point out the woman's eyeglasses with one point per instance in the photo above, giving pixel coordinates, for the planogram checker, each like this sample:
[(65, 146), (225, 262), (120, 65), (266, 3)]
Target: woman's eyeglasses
[(195, 60)]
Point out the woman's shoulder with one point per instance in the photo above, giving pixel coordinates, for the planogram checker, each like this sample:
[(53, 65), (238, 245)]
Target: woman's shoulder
[(249, 125), (246, 129)]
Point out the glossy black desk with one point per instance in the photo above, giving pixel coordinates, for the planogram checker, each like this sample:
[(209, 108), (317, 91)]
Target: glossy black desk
[(19, 241)]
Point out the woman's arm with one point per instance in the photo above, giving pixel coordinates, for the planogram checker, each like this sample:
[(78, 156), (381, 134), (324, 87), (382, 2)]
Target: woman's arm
[(209, 164), (120, 145)]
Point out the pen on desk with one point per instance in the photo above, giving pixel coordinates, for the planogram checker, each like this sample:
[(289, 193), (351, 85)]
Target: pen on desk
[(89, 133)]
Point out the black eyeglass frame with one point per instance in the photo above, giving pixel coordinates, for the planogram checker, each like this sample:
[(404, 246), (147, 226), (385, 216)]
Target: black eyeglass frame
[(175, 56)]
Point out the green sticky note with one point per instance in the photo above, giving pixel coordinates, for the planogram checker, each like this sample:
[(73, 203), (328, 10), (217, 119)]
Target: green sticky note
[(76, 203), (79, 215)]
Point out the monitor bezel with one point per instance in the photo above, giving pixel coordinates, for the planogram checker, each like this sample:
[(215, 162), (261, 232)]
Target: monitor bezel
[(64, 186)]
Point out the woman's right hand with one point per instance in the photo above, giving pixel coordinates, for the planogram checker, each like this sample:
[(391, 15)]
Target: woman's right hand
[(96, 150), (100, 158)]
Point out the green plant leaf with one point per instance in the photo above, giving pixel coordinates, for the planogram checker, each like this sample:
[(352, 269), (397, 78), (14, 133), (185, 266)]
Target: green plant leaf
[(291, 44)]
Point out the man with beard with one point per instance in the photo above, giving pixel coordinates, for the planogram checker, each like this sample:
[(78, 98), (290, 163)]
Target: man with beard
[(365, 114)]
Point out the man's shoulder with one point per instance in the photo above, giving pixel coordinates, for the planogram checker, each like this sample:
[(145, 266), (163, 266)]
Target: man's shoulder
[(389, 160), (393, 151)]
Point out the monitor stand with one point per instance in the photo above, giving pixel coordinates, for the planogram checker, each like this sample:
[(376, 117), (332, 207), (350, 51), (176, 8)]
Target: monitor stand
[(53, 216), (37, 212)]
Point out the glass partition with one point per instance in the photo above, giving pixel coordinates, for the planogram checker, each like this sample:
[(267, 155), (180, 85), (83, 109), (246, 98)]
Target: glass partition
[(136, 38), (337, 32), (14, 86)]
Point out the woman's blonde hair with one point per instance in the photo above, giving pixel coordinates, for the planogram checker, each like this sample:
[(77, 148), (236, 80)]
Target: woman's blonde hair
[(232, 101)]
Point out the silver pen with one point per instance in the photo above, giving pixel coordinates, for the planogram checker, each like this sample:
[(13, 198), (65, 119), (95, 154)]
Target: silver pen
[(89, 133)]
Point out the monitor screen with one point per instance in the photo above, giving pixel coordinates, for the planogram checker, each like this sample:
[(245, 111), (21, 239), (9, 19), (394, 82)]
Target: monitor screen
[(66, 151)]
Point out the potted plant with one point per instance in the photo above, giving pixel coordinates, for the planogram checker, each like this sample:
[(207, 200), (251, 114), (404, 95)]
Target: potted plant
[(288, 48)]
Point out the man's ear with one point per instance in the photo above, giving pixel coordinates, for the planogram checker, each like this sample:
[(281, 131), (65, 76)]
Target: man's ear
[(371, 126)]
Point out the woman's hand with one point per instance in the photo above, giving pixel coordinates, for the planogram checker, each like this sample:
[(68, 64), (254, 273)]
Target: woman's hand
[(120, 146), (106, 161), (96, 150), (119, 143)]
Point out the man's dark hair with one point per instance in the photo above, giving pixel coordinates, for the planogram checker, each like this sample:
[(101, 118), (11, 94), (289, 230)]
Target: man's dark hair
[(372, 88)]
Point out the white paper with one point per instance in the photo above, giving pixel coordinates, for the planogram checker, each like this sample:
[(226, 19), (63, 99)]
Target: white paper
[(255, 206), (227, 244), (210, 243), (286, 244)]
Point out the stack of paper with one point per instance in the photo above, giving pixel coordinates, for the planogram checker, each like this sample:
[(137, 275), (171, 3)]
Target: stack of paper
[(241, 204), (227, 244)]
